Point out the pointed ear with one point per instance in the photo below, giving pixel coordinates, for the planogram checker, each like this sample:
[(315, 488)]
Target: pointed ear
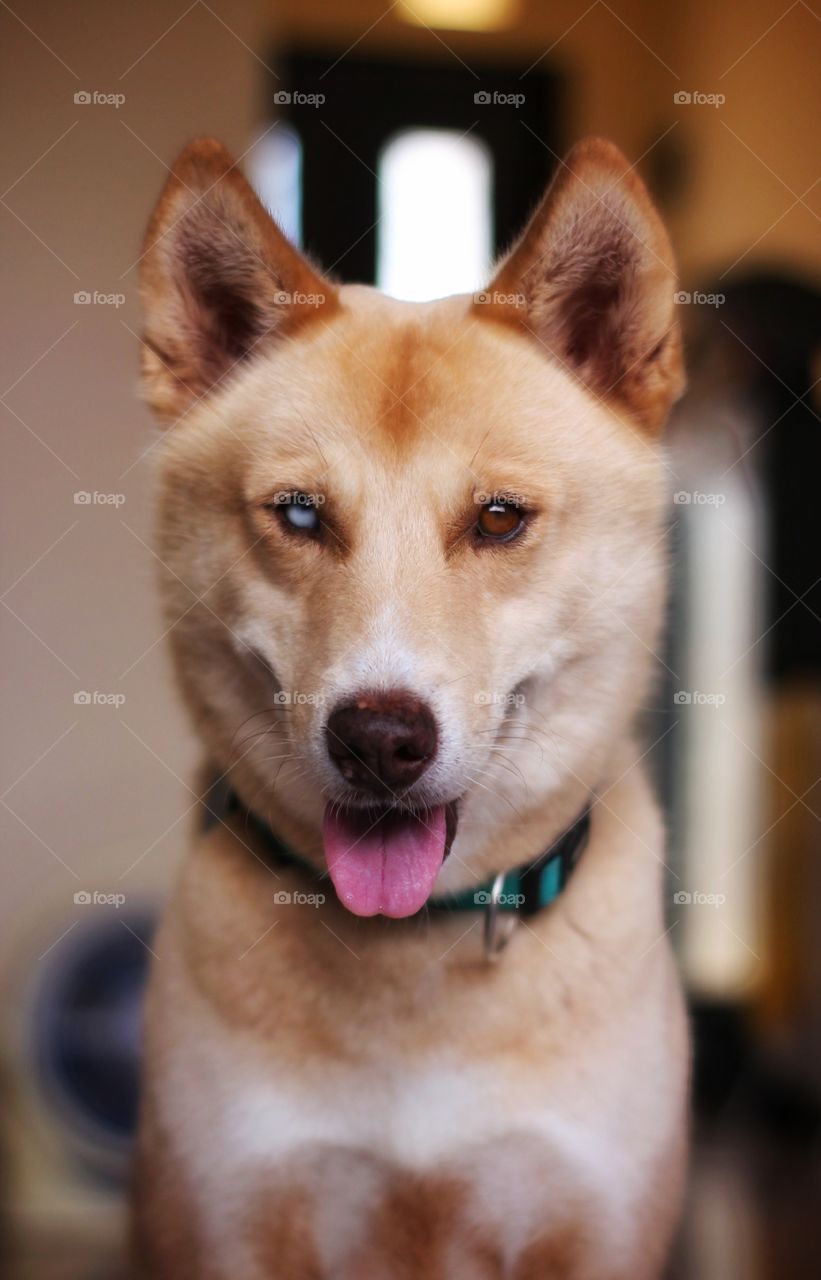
[(219, 281), (593, 280)]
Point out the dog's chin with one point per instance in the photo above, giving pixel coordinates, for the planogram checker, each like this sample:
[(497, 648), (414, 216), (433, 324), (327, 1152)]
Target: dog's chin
[(384, 858)]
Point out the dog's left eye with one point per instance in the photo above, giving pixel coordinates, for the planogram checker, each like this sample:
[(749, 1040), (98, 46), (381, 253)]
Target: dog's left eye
[(500, 521), (298, 512)]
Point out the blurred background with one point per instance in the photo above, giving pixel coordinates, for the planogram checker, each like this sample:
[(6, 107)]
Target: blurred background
[(405, 144)]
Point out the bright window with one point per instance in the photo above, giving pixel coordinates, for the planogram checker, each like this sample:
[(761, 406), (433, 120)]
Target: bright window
[(274, 168), (435, 232)]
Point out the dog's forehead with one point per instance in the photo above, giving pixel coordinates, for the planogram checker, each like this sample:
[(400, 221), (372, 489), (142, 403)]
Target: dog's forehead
[(411, 370), (401, 347), (393, 383)]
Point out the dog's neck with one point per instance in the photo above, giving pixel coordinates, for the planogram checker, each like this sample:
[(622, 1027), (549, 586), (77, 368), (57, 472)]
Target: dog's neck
[(506, 897), (491, 838)]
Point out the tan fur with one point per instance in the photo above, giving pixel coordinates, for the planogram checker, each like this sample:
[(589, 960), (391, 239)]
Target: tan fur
[(207, 205), (331, 1098)]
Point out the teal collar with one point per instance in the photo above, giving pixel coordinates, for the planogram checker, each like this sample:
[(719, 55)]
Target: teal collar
[(529, 888), (522, 892)]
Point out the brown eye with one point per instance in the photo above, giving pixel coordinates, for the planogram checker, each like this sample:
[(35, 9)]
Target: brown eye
[(500, 521)]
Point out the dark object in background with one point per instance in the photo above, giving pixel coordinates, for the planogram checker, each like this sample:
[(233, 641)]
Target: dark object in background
[(734, 1082), (760, 349), (86, 1037), (766, 343), (374, 100)]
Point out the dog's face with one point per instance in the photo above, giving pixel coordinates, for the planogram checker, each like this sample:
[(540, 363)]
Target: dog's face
[(412, 552)]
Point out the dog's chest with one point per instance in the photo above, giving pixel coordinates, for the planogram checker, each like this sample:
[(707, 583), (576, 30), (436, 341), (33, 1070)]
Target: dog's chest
[(442, 1151)]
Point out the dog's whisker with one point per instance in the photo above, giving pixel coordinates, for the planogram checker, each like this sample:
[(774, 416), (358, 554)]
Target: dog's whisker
[(510, 766), (494, 792)]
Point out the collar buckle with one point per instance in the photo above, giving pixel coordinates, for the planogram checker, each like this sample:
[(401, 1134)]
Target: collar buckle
[(497, 932)]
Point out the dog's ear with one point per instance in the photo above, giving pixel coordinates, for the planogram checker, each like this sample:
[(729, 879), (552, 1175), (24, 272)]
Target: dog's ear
[(218, 279), (593, 280)]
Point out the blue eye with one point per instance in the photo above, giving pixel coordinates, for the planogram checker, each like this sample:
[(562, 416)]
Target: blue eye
[(301, 517), (299, 512)]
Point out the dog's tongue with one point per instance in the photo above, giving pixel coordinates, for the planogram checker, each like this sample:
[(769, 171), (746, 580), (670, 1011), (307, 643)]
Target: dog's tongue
[(386, 863)]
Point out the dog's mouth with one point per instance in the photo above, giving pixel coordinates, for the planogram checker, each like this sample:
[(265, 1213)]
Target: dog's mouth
[(386, 860)]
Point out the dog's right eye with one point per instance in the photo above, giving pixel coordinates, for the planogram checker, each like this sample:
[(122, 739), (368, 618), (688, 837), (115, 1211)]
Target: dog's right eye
[(298, 512)]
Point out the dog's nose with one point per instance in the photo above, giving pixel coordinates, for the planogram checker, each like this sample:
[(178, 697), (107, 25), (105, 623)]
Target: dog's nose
[(382, 741)]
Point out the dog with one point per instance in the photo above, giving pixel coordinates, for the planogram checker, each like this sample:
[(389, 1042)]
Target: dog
[(413, 1015)]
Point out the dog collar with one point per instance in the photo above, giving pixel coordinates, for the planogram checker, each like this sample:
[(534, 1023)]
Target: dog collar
[(524, 891), (510, 896)]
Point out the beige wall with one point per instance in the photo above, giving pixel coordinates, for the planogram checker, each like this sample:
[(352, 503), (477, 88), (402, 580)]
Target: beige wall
[(755, 155), (88, 794)]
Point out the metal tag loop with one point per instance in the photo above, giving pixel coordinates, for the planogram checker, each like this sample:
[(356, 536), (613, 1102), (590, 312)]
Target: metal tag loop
[(497, 933)]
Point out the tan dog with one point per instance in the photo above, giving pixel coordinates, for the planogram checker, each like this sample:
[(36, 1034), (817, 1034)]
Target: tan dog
[(414, 565)]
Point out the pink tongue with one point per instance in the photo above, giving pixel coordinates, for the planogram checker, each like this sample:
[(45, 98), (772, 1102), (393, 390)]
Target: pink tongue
[(387, 863)]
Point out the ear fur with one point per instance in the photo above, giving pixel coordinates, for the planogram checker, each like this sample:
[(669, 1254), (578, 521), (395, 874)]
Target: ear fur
[(219, 281), (593, 280)]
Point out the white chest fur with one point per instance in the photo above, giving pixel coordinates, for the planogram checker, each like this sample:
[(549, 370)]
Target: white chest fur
[(529, 1150)]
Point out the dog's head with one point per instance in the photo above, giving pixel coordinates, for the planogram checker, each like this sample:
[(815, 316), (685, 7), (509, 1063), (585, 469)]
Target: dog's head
[(412, 553)]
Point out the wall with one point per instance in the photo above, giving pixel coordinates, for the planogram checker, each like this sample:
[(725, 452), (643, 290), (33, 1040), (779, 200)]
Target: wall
[(93, 788)]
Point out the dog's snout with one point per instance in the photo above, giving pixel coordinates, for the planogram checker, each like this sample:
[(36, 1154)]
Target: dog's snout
[(382, 741)]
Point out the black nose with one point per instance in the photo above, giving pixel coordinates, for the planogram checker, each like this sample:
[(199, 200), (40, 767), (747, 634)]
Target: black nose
[(382, 741)]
